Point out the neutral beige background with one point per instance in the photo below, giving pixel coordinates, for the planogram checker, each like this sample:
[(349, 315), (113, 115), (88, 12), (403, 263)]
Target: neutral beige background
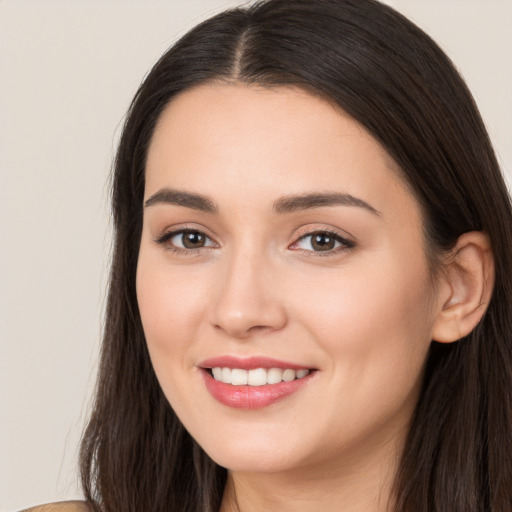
[(67, 73)]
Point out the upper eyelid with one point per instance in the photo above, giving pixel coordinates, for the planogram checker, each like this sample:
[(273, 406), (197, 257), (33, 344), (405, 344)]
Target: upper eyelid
[(175, 230), (335, 234), (341, 239), (312, 229)]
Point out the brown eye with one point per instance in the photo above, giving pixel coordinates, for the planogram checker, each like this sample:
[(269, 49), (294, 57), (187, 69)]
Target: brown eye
[(193, 239), (323, 242), (186, 239)]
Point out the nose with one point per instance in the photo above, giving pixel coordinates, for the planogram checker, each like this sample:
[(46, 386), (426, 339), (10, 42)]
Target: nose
[(249, 299)]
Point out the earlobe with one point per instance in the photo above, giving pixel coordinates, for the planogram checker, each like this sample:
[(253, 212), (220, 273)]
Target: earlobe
[(466, 288)]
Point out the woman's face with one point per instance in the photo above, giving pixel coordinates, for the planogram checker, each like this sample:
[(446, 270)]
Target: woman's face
[(281, 248)]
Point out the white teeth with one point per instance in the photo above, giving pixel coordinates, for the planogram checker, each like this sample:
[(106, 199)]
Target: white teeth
[(238, 377), (288, 375), (274, 376), (226, 375), (301, 373), (217, 373), (256, 377)]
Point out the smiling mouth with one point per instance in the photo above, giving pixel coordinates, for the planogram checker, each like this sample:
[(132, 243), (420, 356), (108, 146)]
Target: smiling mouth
[(253, 383), (257, 376)]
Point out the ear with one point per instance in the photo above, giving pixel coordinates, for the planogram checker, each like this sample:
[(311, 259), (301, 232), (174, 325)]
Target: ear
[(465, 290)]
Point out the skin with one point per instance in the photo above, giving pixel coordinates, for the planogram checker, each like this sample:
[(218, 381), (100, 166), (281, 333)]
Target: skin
[(362, 315), (64, 506)]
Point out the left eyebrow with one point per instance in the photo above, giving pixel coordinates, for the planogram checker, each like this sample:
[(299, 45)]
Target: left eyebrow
[(288, 204)]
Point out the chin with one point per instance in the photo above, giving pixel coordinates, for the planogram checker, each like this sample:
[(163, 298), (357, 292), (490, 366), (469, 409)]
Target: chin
[(253, 462), (253, 453)]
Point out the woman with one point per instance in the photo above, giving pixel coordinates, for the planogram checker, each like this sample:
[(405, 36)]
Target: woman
[(310, 297)]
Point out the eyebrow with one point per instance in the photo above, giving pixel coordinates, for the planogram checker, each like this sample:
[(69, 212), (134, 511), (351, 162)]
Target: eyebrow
[(180, 198), (286, 204), (294, 203)]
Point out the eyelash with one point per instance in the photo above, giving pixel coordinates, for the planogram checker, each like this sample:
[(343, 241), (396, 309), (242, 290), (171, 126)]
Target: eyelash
[(344, 244), (165, 240)]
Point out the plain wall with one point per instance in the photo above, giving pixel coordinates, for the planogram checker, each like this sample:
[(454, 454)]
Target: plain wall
[(68, 71)]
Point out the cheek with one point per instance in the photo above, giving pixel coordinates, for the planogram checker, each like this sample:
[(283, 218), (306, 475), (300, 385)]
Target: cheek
[(373, 321), (171, 303), (374, 329)]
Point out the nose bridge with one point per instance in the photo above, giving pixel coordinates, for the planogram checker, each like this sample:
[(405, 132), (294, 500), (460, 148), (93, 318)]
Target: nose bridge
[(248, 299)]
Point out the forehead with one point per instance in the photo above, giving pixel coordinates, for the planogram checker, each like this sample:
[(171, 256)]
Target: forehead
[(221, 140)]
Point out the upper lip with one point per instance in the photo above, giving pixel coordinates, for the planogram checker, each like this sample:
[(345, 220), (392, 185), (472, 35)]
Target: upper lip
[(250, 363)]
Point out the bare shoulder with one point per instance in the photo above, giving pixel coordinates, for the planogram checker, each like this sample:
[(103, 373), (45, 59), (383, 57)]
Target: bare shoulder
[(61, 506)]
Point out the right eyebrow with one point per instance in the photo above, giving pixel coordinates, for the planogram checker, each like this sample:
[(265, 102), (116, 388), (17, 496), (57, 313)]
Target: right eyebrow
[(180, 198)]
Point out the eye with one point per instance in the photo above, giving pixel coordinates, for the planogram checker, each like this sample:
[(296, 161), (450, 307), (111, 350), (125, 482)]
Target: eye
[(186, 239), (322, 241)]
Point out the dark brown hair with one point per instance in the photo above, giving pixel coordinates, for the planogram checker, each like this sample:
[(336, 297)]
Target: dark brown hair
[(394, 80)]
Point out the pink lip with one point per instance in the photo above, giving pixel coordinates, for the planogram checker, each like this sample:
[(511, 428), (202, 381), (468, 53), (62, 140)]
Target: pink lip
[(249, 363), (250, 397)]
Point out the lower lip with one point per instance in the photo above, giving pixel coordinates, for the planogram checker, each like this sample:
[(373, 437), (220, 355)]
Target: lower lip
[(252, 397)]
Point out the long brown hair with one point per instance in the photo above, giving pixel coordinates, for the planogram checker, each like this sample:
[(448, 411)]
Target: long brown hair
[(394, 80)]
